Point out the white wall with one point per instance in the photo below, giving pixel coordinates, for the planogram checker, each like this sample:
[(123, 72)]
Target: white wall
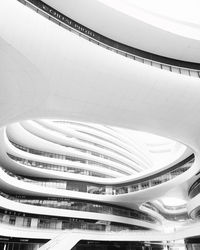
[(137, 28)]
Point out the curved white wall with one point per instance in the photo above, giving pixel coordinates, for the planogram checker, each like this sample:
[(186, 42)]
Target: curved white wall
[(147, 34), (48, 72), (104, 84)]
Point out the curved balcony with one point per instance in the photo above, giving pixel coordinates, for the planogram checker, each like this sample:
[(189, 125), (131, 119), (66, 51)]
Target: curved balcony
[(86, 142), (67, 157), (183, 216), (194, 189), (31, 221), (193, 204), (117, 189), (55, 167), (172, 65), (81, 205)]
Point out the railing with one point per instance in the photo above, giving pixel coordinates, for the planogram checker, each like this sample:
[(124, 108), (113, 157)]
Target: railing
[(15, 218), (80, 205), (195, 213), (173, 65), (93, 151), (172, 208), (100, 143), (194, 189), (117, 189), (68, 157), (54, 167), (183, 216), (101, 139)]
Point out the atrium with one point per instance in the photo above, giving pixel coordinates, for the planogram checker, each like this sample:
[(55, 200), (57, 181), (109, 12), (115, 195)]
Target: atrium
[(99, 125)]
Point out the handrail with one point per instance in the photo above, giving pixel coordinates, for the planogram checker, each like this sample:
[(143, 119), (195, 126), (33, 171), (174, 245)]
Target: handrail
[(183, 216), (133, 186), (81, 205), (69, 157), (49, 222), (189, 160), (194, 189), (170, 64), (56, 167), (172, 208)]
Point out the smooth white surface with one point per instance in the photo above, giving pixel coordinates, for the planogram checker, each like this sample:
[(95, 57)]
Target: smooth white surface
[(136, 26), (24, 208), (48, 72), (180, 17), (131, 200), (182, 10), (87, 83)]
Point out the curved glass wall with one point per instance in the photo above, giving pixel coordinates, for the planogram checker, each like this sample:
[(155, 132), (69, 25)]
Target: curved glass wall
[(173, 65), (34, 221), (81, 205)]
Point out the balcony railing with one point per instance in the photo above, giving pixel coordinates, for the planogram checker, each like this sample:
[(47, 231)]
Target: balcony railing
[(194, 189), (169, 64), (69, 158), (14, 218), (54, 167), (117, 189), (182, 216), (80, 205)]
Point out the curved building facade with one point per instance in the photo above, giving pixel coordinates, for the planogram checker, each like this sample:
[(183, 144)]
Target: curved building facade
[(82, 101)]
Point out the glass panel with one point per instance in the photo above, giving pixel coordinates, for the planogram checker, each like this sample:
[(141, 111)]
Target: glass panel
[(175, 69), (185, 72), (157, 65)]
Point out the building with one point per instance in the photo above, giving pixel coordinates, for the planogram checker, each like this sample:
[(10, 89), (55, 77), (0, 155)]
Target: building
[(74, 86)]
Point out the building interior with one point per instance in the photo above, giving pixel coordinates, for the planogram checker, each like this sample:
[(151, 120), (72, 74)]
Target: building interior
[(99, 125)]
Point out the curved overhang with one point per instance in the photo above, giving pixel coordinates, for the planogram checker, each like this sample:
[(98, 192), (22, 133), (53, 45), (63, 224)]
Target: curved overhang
[(43, 76), (97, 101), (134, 26), (163, 15)]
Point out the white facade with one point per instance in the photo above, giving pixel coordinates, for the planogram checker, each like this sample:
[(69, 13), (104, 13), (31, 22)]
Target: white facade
[(61, 95)]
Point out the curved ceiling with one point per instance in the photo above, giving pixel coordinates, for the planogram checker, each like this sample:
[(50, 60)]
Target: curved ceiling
[(74, 79), (135, 26), (48, 72), (106, 152), (183, 12)]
